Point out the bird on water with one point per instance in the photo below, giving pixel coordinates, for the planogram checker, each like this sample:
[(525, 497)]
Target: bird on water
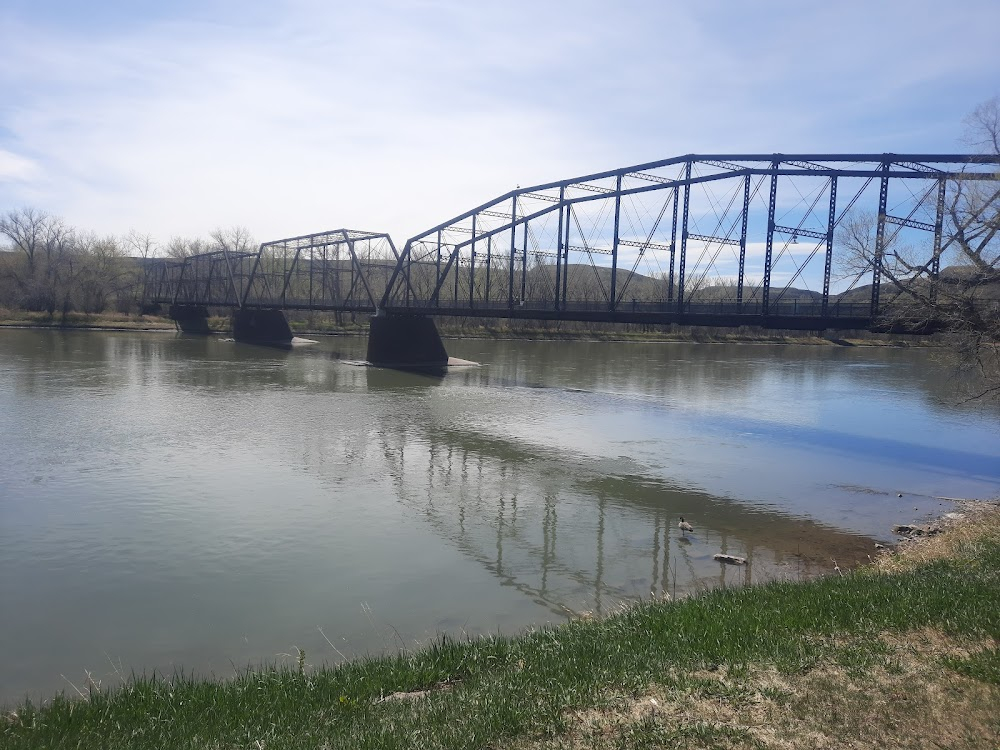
[(684, 526)]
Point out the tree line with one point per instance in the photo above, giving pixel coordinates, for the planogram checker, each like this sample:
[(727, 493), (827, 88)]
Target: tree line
[(48, 266)]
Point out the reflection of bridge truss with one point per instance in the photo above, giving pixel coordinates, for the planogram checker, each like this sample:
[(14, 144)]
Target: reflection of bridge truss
[(577, 541), (339, 270), (723, 235)]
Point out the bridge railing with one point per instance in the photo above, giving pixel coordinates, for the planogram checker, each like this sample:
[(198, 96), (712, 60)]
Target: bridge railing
[(543, 307)]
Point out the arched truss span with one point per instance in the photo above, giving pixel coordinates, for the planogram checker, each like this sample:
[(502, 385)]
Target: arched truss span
[(726, 235)]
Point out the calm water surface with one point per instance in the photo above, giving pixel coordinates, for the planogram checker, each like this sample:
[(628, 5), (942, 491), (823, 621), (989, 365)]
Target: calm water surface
[(175, 502)]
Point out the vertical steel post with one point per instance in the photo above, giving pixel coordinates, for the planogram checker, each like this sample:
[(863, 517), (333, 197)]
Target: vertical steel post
[(354, 280), (489, 263), (327, 286), (407, 275), (684, 239), (830, 225), (569, 209), (472, 265), (743, 242), (673, 245), (457, 254), (284, 273), (208, 283), (513, 232), (312, 270), (614, 245), (325, 275), (883, 198), (938, 232), (772, 200), (524, 262), (438, 280), (559, 241)]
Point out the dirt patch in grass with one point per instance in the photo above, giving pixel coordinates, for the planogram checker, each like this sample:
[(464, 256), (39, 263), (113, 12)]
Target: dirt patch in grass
[(905, 698)]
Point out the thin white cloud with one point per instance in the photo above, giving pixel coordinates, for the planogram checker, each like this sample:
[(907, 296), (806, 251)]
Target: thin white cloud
[(394, 116), (14, 167)]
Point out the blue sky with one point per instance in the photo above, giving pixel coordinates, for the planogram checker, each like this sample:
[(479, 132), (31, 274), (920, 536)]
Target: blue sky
[(301, 116)]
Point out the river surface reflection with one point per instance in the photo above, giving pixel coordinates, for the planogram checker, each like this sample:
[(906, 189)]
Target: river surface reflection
[(177, 502)]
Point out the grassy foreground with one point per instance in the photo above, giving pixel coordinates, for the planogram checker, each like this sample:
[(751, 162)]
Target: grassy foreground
[(904, 654)]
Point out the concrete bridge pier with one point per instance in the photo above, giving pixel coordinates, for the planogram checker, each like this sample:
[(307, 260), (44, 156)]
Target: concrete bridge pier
[(405, 342), (261, 327), (190, 318)]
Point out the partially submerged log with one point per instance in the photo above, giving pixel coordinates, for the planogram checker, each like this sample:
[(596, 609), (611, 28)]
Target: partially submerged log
[(730, 559)]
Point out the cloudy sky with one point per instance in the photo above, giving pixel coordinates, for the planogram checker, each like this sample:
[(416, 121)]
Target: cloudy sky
[(176, 118)]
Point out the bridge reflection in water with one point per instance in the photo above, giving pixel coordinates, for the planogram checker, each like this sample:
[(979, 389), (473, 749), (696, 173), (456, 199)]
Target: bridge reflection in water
[(567, 532)]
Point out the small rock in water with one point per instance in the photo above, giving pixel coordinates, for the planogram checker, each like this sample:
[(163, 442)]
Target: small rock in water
[(900, 494), (730, 559)]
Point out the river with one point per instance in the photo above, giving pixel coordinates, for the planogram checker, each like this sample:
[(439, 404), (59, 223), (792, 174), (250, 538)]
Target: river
[(171, 502)]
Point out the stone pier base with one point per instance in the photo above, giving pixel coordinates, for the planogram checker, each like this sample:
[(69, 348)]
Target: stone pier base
[(261, 327), (405, 342), (190, 318)]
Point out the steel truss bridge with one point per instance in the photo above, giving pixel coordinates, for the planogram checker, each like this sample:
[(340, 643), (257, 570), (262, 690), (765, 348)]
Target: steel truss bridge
[(716, 239), (341, 270)]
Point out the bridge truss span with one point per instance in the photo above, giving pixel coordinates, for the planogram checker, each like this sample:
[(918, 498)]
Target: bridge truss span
[(695, 238), (341, 270)]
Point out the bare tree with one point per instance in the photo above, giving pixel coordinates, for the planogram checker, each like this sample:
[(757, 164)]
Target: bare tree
[(47, 246), (234, 239), (102, 274), (963, 301), (27, 229), (139, 245), (179, 248)]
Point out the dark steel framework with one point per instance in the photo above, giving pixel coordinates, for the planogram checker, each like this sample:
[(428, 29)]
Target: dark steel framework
[(716, 239), (731, 238), (340, 270)]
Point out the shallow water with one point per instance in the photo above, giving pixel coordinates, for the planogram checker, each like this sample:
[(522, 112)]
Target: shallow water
[(178, 502)]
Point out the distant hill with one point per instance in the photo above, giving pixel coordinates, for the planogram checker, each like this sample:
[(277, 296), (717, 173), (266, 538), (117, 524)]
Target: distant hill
[(951, 274)]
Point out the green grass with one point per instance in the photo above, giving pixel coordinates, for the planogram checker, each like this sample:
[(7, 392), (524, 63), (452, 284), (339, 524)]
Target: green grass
[(983, 666), (523, 691)]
